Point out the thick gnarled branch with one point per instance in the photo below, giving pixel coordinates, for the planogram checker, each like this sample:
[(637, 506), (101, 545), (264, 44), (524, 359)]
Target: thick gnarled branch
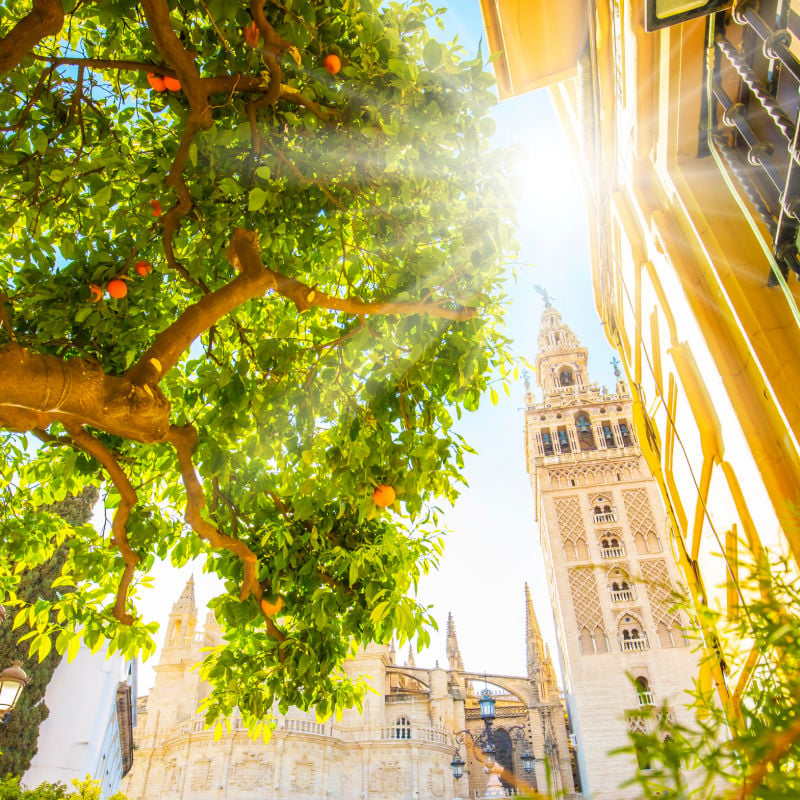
[(44, 19), (184, 440), (128, 500)]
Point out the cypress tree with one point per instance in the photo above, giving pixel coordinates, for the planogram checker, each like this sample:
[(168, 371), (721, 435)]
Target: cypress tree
[(20, 732)]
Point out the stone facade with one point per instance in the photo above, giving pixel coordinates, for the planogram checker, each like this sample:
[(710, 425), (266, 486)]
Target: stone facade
[(611, 576), (398, 748)]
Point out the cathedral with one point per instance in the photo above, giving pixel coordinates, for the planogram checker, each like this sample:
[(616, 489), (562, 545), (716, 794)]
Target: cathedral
[(400, 747), (611, 575)]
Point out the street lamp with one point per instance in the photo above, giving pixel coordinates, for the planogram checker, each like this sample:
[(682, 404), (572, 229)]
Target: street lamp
[(457, 765), (12, 681), (487, 707), (528, 760)]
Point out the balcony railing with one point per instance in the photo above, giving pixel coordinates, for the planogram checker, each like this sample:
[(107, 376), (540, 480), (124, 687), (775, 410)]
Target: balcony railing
[(612, 552), (622, 595), (634, 644), (600, 519), (195, 724), (646, 698), (754, 135)]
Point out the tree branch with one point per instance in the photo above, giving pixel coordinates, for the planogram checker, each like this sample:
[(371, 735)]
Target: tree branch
[(128, 500), (44, 19), (184, 440), (106, 63), (782, 742)]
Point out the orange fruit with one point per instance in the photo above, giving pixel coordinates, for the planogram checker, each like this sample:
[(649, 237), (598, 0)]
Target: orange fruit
[(172, 84), (251, 34), (156, 206), (271, 608), (156, 82), (384, 495), (95, 293), (332, 63), (143, 268), (117, 288)]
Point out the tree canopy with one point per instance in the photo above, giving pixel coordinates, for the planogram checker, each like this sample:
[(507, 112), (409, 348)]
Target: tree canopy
[(242, 284)]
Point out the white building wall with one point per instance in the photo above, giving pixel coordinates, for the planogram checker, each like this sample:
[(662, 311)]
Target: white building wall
[(80, 737)]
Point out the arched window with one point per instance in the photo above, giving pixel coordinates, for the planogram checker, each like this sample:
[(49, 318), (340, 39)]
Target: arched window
[(664, 635), (631, 635), (620, 589), (504, 750), (585, 436), (565, 377), (603, 510), (643, 692), (402, 728)]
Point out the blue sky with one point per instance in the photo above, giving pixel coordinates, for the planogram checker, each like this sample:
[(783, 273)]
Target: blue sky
[(492, 549)]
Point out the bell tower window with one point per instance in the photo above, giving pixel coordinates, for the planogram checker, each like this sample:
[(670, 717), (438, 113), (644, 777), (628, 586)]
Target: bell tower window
[(585, 436), (566, 377)]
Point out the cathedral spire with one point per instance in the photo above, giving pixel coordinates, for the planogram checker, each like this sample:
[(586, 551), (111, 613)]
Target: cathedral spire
[(185, 604), (182, 620), (453, 651), (533, 639)]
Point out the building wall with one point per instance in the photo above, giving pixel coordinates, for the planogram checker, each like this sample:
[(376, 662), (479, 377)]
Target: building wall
[(605, 538), (82, 735)]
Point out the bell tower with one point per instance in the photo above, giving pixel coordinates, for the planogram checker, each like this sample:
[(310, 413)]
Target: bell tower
[(610, 575)]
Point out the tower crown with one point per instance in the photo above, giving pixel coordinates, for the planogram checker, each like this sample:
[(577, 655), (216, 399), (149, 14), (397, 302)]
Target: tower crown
[(561, 363)]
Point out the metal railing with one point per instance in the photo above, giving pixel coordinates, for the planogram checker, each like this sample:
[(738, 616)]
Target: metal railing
[(756, 133)]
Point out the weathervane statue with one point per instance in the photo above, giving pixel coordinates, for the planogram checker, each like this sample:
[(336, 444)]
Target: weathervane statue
[(615, 364), (544, 293)]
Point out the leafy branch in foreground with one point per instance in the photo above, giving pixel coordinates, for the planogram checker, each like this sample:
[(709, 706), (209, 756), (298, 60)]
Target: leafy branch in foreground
[(757, 753), (238, 292)]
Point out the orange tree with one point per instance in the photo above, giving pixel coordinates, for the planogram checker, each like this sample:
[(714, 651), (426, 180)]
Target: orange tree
[(241, 292)]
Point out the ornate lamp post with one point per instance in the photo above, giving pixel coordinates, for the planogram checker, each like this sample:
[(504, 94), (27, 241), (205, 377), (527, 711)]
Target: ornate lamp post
[(12, 681), (484, 739)]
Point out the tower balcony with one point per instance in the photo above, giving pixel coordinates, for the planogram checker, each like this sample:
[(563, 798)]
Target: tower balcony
[(634, 645), (612, 552), (622, 595), (646, 699), (601, 519)]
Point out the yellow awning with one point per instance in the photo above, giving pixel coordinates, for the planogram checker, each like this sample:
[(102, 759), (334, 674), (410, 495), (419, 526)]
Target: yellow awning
[(539, 40)]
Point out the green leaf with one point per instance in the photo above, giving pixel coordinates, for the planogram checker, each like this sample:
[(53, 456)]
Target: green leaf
[(432, 54), (257, 198)]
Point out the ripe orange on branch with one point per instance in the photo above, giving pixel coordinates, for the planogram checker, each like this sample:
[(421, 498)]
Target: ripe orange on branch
[(143, 268), (251, 34), (332, 63), (156, 82), (117, 288), (384, 495), (156, 206), (172, 84), (271, 608)]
